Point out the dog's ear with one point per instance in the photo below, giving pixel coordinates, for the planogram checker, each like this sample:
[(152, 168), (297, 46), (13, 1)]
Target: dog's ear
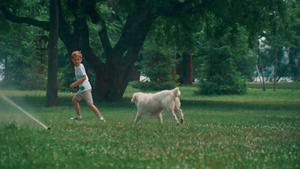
[(176, 92), (133, 98)]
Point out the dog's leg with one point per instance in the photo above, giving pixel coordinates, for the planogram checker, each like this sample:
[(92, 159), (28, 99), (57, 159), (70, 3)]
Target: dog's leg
[(179, 111), (138, 117), (171, 112), (159, 117)]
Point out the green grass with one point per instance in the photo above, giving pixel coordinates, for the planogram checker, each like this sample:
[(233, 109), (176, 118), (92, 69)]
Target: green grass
[(257, 130), (270, 85)]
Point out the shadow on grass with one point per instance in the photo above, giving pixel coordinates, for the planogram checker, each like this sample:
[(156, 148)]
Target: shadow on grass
[(233, 105), (39, 101)]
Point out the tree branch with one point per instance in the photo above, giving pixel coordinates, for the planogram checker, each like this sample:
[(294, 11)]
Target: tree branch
[(81, 32), (89, 7), (42, 24), (63, 32)]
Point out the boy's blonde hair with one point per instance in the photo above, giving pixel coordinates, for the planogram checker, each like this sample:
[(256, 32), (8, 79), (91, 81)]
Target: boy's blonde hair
[(76, 53)]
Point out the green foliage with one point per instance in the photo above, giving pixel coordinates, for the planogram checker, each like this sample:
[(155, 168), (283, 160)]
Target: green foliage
[(157, 64), (25, 66), (153, 86), (256, 130), (157, 67), (172, 28), (11, 57), (246, 65), (13, 4), (5, 25), (66, 77), (35, 81), (175, 32), (218, 71), (282, 40)]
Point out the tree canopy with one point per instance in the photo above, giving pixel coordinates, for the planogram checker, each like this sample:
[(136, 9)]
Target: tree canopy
[(122, 26)]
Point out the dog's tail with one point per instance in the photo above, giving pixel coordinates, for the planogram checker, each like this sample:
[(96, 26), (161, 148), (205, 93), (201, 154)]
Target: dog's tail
[(176, 92)]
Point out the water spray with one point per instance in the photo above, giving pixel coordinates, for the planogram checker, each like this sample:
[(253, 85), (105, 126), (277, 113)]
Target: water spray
[(22, 110)]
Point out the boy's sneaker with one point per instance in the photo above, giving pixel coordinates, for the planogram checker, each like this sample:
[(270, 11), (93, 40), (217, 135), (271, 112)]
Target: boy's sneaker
[(102, 119), (77, 118)]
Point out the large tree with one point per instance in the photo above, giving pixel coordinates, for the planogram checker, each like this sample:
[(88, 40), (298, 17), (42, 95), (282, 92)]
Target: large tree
[(113, 72)]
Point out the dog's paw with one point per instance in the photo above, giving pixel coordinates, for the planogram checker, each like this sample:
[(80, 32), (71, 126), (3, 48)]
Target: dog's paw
[(181, 121)]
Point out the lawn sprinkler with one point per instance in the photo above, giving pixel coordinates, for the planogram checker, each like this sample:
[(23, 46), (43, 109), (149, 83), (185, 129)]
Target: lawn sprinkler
[(22, 110)]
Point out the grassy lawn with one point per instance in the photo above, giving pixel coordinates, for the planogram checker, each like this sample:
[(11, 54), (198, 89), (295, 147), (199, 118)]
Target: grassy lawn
[(270, 85), (256, 130)]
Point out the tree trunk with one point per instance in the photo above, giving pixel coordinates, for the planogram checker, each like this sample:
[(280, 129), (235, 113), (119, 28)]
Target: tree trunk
[(275, 69), (191, 70), (262, 69), (52, 93), (263, 77), (296, 83), (113, 76), (186, 69), (260, 78), (111, 83)]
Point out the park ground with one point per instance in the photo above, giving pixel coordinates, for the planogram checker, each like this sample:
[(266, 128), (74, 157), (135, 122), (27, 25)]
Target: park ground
[(256, 130)]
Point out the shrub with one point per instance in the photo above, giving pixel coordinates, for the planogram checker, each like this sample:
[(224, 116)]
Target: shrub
[(153, 86), (157, 64), (218, 72)]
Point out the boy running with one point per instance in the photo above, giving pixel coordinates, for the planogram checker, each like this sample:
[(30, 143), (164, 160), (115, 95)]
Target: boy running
[(85, 88)]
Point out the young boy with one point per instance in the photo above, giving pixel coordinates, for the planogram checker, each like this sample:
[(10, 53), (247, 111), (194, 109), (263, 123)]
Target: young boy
[(85, 87)]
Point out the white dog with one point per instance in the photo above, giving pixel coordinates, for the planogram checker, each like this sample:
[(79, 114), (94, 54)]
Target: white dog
[(154, 104)]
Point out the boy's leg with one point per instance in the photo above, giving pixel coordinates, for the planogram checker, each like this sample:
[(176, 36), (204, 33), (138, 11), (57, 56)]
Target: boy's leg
[(87, 95), (75, 101), (77, 106), (95, 110)]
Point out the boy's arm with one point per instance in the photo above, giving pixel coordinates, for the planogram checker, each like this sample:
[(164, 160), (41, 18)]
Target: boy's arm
[(78, 82)]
